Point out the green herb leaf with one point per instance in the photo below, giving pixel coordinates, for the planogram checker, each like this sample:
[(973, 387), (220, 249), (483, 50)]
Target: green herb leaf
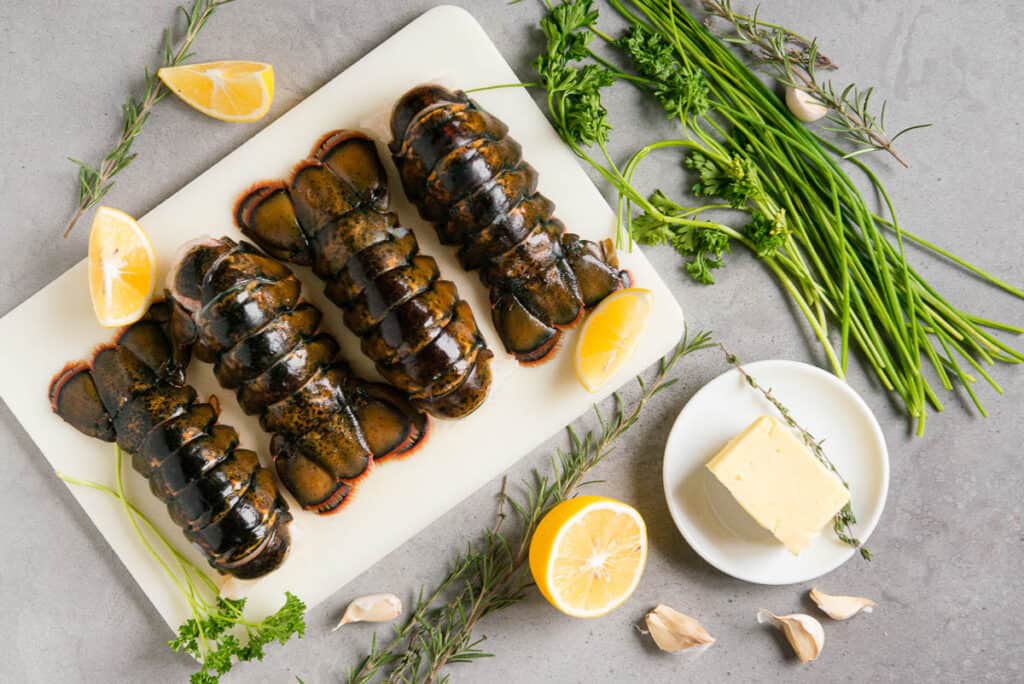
[(767, 234), (682, 90), (208, 639), (734, 180), (704, 248), (576, 91)]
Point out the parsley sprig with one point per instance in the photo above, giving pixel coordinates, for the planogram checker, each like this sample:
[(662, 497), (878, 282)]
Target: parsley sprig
[(218, 634)]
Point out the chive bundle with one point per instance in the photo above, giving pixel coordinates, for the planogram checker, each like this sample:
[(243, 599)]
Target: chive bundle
[(811, 225)]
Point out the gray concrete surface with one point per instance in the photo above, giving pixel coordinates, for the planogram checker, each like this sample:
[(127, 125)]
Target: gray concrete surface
[(950, 546)]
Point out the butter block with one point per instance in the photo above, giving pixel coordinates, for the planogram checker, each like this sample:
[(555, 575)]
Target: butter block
[(779, 482)]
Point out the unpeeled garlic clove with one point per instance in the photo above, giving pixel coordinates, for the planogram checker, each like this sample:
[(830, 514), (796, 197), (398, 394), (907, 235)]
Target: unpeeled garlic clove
[(803, 105), (804, 633), (841, 607), (372, 608), (673, 631)]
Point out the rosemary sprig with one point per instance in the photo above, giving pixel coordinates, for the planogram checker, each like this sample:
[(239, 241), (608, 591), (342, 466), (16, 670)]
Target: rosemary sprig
[(492, 574), (759, 35), (796, 61), (95, 182), (844, 520)]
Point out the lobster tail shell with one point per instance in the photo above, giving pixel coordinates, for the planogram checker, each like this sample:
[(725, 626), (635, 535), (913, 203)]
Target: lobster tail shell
[(422, 338), (467, 176), (328, 426), (133, 393)]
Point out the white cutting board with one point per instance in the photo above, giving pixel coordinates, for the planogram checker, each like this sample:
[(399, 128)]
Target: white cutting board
[(525, 407)]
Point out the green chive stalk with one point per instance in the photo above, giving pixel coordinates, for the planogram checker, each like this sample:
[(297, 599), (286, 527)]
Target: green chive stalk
[(843, 266)]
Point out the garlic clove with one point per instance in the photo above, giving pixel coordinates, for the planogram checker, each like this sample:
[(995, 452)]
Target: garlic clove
[(804, 106), (372, 608), (673, 631), (841, 607), (804, 633)]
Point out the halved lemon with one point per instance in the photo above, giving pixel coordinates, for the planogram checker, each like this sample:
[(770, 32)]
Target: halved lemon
[(610, 334), (122, 268), (588, 554), (229, 90)]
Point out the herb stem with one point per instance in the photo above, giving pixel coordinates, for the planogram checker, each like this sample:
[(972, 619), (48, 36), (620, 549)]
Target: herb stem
[(95, 182), (491, 574), (845, 519)]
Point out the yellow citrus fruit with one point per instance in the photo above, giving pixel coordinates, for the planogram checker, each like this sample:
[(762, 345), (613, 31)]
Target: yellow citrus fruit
[(587, 555), (610, 334), (122, 268), (229, 91)]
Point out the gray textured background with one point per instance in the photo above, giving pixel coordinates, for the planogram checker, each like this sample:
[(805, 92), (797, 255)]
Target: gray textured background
[(950, 546)]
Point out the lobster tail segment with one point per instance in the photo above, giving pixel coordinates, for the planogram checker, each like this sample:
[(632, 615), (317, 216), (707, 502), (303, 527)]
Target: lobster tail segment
[(328, 426), (467, 176), (415, 102), (133, 392)]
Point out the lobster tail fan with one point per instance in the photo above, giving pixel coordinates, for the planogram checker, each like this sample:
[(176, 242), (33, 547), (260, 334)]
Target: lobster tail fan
[(391, 425), (152, 341), (353, 157), (266, 216), (74, 398), (526, 336)]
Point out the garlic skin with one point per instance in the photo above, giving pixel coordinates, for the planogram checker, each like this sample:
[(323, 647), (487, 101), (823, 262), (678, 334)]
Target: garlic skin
[(841, 607), (371, 608), (804, 633), (803, 105), (673, 631)]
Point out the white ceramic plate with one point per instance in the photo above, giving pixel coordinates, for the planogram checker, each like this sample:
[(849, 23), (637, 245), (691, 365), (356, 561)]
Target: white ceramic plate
[(710, 519)]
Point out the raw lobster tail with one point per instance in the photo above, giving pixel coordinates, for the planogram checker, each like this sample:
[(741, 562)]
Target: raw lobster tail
[(467, 176), (421, 336), (328, 426), (134, 392)]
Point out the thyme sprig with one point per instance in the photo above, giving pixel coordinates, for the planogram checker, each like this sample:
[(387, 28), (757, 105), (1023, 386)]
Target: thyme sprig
[(796, 61), (96, 181), (844, 520), (492, 572)]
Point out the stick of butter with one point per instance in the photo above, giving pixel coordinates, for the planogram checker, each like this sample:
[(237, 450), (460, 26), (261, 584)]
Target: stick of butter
[(779, 482)]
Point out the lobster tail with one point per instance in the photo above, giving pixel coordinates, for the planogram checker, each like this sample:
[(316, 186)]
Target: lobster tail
[(423, 339), (467, 176), (133, 393), (328, 426)]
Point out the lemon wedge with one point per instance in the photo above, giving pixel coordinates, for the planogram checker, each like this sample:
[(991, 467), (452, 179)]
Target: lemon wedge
[(122, 268), (588, 554), (610, 334), (229, 91)]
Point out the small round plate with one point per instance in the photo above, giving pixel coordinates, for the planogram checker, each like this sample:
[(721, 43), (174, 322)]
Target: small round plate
[(705, 512)]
